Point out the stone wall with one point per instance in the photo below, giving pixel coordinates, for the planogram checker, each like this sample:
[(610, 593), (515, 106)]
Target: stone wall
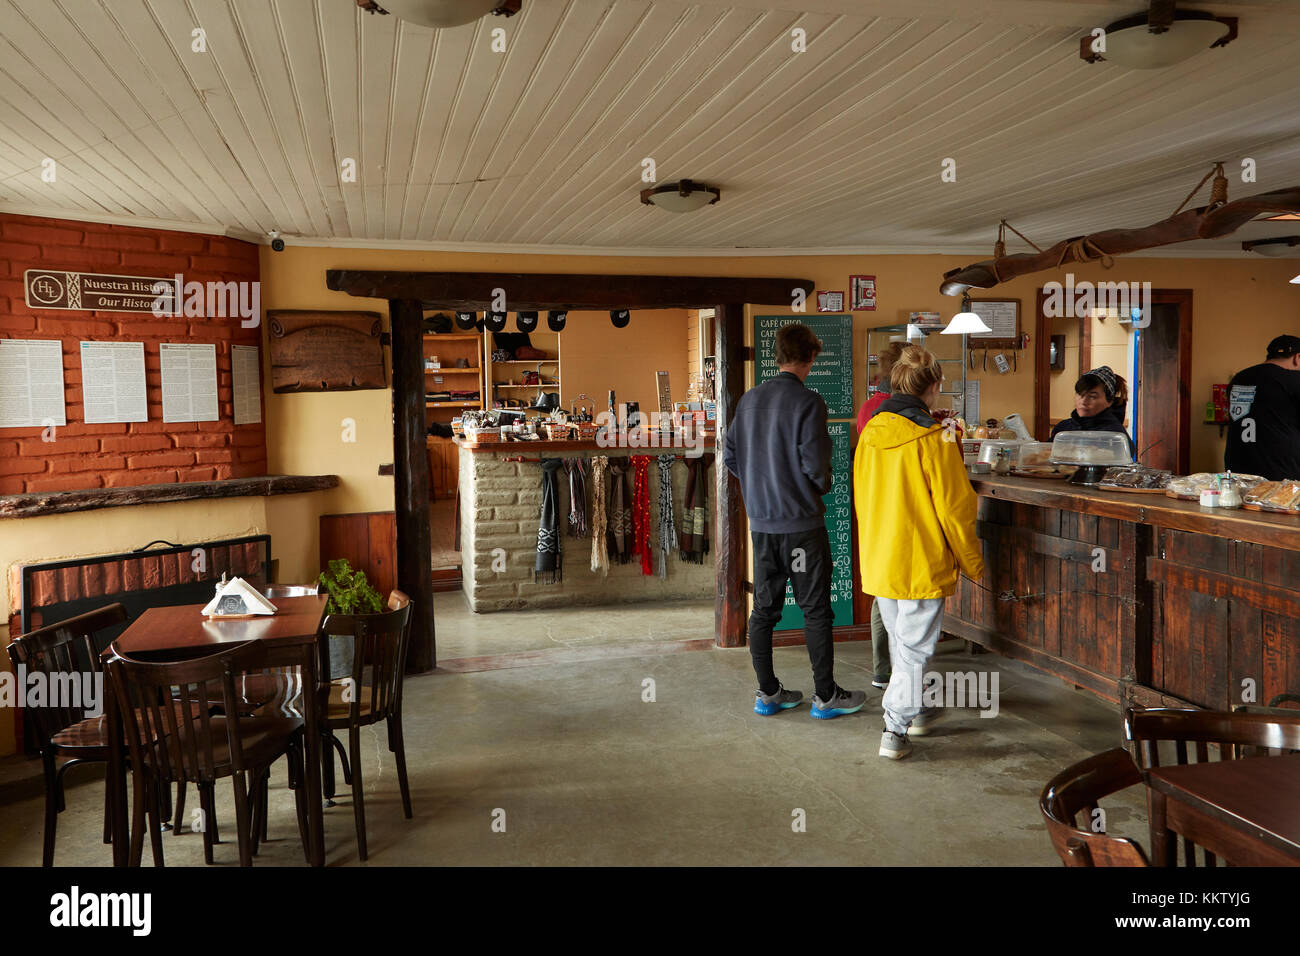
[(501, 504)]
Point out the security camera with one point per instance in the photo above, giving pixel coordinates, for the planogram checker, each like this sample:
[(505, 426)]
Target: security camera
[(277, 244)]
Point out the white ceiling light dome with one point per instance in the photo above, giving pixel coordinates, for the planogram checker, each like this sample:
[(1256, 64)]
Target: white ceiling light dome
[(681, 196), (1278, 248), (441, 13), (1144, 42), (965, 323)]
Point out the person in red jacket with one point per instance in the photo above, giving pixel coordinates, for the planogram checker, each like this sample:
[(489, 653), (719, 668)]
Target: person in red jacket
[(882, 668)]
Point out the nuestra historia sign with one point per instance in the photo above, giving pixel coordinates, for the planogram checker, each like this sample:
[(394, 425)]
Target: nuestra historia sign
[(92, 291)]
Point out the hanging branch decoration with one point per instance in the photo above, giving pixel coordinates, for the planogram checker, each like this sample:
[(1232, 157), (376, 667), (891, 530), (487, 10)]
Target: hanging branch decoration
[(1219, 218)]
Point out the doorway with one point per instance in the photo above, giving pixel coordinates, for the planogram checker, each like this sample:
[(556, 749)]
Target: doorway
[(1156, 360)]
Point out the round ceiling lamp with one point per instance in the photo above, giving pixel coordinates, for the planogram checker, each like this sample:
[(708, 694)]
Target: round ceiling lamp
[(1273, 248), (681, 196), (440, 13), (1159, 38)]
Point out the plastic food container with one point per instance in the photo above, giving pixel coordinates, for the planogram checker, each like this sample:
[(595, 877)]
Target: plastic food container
[(1091, 448), (1035, 453), (990, 449)]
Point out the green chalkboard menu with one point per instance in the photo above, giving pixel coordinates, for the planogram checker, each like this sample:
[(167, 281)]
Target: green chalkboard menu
[(832, 374), (839, 524)]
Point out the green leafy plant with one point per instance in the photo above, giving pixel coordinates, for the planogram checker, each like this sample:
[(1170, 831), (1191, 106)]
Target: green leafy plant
[(349, 591)]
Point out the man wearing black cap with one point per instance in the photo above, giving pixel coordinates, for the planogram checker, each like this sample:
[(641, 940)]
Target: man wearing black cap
[(1264, 436)]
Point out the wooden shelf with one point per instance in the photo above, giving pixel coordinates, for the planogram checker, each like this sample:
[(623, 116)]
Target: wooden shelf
[(525, 361), (443, 371), (453, 404), (539, 385), (452, 336)]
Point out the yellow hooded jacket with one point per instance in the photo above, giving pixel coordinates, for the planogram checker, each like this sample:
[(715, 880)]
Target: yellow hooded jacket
[(915, 507)]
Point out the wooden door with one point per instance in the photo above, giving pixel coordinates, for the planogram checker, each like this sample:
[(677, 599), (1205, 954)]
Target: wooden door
[(1164, 391)]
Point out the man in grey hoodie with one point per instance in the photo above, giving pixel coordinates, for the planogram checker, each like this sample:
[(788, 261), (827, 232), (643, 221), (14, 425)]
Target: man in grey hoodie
[(778, 447)]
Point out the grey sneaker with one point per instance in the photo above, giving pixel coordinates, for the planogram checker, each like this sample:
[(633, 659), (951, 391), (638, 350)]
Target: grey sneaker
[(768, 704), (923, 723), (894, 746), (842, 702)]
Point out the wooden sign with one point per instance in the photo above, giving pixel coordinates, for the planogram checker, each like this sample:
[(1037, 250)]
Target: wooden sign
[(325, 351), (97, 292)]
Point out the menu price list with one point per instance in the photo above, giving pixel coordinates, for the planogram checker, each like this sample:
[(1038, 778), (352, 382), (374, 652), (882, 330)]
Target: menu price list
[(832, 373)]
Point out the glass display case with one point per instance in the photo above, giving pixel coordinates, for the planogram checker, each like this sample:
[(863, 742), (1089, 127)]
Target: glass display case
[(950, 350)]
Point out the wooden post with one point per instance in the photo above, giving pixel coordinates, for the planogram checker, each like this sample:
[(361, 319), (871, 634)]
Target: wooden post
[(730, 549), (411, 481)]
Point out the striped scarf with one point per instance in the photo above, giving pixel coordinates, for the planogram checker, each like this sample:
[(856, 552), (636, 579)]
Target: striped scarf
[(599, 557), (667, 533), (576, 469), (547, 570), (695, 511)]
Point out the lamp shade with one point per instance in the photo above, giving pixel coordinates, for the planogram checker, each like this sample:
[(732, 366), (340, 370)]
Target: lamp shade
[(440, 13), (965, 323), (1137, 48), (681, 196)]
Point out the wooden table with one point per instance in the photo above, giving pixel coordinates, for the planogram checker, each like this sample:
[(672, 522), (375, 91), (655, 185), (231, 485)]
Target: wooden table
[(1245, 811), (291, 637)]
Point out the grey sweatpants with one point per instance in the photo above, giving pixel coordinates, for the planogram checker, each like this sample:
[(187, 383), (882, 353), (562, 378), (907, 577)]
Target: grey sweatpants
[(913, 628)]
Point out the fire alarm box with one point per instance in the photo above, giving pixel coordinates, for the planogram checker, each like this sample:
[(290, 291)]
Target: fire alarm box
[(1216, 410)]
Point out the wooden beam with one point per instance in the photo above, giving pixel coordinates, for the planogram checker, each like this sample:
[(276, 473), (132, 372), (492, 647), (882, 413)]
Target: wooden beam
[(730, 550), (477, 290), (411, 481), (35, 503)]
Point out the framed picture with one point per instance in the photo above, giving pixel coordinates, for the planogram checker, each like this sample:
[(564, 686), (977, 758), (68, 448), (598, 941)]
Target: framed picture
[(830, 301), (862, 293)]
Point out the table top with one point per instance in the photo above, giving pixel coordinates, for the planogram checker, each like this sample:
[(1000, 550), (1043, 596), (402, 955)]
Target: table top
[(1257, 795), (296, 621)]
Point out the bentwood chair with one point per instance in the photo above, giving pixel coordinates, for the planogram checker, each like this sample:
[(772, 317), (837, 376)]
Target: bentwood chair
[(1075, 790), (371, 693), (1229, 735), (67, 654), (187, 742)]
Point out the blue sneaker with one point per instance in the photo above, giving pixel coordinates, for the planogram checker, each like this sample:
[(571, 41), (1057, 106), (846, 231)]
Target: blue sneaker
[(766, 705), (842, 702)]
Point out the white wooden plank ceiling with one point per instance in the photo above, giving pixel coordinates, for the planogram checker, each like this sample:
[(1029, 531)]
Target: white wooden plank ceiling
[(836, 148)]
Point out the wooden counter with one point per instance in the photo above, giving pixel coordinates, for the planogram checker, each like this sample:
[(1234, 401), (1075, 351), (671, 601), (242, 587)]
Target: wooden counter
[(546, 445), (1136, 596)]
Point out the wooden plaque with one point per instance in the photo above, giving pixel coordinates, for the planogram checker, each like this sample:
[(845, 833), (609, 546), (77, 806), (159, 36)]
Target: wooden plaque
[(325, 351)]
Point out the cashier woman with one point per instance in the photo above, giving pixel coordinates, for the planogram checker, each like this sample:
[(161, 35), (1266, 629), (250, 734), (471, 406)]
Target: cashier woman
[(1100, 397)]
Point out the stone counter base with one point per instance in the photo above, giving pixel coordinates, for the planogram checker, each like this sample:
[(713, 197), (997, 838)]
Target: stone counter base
[(501, 504)]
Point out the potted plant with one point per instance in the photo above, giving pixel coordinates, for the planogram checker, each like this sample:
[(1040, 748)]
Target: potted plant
[(349, 593)]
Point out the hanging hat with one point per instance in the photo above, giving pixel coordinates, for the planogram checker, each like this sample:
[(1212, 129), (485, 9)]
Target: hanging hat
[(526, 321), (556, 318), (467, 320), (1104, 375), (620, 318), (495, 321)]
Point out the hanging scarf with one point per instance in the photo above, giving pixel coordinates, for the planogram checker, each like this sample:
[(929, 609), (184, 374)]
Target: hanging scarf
[(667, 533), (576, 469), (599, 557), (620, 513), (695, 514), (547, 570), (641, 514)]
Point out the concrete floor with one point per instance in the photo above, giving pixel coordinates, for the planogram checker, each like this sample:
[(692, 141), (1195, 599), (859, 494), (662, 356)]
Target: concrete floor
[(555, 734)]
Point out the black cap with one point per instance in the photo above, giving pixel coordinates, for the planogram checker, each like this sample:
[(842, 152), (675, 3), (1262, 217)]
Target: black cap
[(526, 321), (496, 321), (620, 318), (467, 320), (1284, 346), (556, 318)]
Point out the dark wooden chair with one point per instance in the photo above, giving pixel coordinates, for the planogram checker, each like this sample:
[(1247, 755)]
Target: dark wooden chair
[(1227, 735), (187, 742), (371, 693), (67, 652), (1076, 790)]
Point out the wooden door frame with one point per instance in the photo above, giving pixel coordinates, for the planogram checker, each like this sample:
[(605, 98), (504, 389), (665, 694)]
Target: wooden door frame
[(1042, 372), (409, 294)]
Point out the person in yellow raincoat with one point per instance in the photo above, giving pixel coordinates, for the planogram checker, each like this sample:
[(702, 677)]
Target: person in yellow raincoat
[(916, 519)]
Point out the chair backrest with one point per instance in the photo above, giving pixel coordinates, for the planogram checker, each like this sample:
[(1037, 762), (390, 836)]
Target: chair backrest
[(1231, 734), (378, 657), (289, 591), (67, 655), (1076, 790), (183, 722)]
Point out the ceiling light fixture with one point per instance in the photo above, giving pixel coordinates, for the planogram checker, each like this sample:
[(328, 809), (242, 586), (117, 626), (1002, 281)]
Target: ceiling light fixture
[(1158, 38), (1273, 248), (965, 322), (681, 196), (441, 13), (1284, 217)]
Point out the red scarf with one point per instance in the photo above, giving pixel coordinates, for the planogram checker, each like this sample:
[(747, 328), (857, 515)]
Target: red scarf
[(641, 513)]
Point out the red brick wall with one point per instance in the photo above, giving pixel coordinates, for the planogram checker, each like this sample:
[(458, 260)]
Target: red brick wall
[(137, 453)]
